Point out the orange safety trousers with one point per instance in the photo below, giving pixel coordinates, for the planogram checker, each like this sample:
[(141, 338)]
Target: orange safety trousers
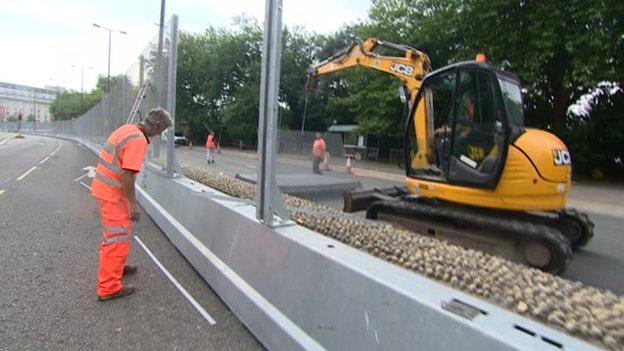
[(115, 245)]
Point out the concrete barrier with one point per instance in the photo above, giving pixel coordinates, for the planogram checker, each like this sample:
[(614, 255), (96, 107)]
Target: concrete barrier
[(297, 289)]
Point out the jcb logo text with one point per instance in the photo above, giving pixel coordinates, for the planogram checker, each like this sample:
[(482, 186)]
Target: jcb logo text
[(561, 157), (402, 68)]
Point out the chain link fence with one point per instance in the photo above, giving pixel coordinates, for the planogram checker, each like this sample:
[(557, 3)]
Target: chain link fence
[(151, 71), (295, 142)]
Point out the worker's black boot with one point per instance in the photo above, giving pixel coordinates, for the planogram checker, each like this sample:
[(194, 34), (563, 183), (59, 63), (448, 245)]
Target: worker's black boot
[(129, 270), (125, 291)]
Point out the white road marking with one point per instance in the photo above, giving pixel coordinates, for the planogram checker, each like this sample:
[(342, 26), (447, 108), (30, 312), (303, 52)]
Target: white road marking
[(57, 149), (27, 173), (4, 141), (186, 294), (85, 185), (2, 192), (90, 173), (82, 176), (45, 159)]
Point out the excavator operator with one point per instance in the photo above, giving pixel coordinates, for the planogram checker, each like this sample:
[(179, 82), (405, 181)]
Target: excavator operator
[(465, 134)]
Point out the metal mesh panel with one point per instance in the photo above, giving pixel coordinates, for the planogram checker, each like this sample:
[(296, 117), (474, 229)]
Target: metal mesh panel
[(295, 142), (151, 67)]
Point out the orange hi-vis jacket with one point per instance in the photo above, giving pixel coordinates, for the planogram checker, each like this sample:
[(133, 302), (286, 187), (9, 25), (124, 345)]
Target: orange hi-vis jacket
[(124, 149), (210, 142), (318, 148)]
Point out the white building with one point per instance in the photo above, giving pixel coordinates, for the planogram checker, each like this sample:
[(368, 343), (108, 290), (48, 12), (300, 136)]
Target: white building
[(30, 101)]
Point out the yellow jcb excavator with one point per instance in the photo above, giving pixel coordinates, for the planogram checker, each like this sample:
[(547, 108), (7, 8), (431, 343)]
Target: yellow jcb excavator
[(475, 175)]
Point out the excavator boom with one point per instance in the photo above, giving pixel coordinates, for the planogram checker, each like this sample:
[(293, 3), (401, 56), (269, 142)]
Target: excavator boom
[(410, 68)]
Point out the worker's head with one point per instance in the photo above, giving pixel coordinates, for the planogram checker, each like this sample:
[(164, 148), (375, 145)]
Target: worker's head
[(156, 121), (468, 103), (318, 135)]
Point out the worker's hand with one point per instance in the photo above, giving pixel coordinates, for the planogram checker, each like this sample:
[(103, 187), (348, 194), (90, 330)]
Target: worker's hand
[(134, 212)]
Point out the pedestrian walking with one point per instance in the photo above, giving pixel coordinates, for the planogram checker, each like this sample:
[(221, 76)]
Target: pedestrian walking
[(211, 145), (318, 153), (113, 187)]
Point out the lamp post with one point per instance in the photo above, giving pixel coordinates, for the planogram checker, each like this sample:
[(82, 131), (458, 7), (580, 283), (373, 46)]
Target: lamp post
[(82, 68), (110, 31), (34, 91)]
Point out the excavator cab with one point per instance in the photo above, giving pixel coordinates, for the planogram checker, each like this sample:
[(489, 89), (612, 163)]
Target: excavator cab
[(462, 120)]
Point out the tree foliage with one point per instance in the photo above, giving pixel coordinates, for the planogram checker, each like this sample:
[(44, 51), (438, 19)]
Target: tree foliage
[(218, 83), (596, 134), (559, 49), (71, 104)]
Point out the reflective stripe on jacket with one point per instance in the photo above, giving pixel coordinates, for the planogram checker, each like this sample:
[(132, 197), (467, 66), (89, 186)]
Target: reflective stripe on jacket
[(124, 147)]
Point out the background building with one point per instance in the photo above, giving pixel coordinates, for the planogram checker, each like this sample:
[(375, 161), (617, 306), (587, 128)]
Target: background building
[(34, 103)]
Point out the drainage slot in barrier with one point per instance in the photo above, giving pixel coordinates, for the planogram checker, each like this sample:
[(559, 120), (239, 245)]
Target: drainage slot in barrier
[(552, 342), (525, 330)]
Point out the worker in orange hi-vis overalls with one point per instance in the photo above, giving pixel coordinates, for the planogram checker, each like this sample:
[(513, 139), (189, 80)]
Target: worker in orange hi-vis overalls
[(211, 145), (318, 152), (113, 187)]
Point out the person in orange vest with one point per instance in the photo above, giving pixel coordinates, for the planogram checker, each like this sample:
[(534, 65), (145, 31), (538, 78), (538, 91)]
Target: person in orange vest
[(211, 145), (120, 160), (318, 152)]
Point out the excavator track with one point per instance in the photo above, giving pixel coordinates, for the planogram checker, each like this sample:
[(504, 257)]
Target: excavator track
[(574, 225), (532, 243), (584, 223)]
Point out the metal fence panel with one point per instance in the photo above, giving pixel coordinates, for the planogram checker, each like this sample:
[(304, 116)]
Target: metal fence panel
[(152, 68), (295, 142)]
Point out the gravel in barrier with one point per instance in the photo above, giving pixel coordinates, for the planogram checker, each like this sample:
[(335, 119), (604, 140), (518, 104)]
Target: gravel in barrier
[(593, 314)]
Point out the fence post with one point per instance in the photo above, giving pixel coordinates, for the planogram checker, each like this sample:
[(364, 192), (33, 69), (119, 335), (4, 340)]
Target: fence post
[(268, 196), (171, 93)]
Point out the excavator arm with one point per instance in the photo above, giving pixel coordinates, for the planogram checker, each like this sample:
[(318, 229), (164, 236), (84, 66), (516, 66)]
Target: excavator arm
[(410, 68)]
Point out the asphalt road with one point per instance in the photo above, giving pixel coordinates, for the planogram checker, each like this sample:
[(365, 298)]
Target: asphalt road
[(599, 264), (50, 231)]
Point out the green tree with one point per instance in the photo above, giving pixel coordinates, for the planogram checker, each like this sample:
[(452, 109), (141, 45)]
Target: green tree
[(71, 104), (218, 77), (596, 132), (102, 82), (559, 49)]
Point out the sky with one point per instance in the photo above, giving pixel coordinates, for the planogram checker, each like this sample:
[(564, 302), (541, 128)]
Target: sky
[(42, 39)]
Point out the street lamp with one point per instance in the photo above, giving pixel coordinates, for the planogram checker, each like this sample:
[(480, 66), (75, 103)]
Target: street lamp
[(110, 31), (82, 68)]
